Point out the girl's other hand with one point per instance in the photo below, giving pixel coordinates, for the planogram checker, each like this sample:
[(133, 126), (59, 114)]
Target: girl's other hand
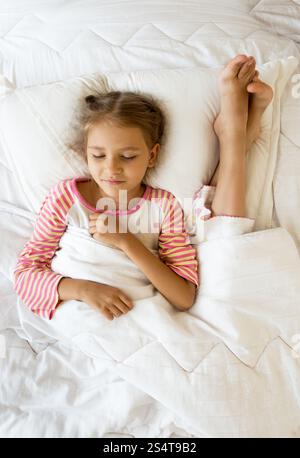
[(100, 230), (110, 301)]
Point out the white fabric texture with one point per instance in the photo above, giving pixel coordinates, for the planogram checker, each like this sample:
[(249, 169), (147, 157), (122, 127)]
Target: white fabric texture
[(56, 391), (237, 315), (282, 17), (232, 269)]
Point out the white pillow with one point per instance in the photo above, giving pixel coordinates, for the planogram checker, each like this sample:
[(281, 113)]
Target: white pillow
[(34, 122)]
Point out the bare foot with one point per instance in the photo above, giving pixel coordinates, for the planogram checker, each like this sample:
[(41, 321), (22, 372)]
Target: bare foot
[(233, 82), (260, 96)]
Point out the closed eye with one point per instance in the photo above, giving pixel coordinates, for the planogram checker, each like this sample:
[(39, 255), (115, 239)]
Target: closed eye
[(123, 157)]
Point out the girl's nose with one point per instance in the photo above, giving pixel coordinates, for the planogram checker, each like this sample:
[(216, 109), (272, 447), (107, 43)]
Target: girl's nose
[(113, 166)]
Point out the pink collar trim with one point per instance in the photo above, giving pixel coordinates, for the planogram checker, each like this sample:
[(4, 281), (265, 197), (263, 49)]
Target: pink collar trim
[(108, 212)]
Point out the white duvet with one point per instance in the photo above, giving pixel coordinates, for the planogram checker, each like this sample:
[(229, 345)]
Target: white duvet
[(227, 368), (247, 307)]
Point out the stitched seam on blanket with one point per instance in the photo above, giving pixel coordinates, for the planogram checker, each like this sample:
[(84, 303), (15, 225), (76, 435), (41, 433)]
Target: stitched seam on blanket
[(194, 371)]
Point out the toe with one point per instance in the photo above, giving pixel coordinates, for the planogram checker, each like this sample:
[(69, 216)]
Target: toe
[(233, 67), (247, 69), (255, 87), (261, 89), (251, 74)]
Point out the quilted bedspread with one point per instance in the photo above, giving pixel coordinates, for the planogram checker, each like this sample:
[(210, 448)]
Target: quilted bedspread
[(230, 367)]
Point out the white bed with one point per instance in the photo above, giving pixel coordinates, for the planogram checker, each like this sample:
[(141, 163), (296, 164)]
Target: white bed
[(47, 388)]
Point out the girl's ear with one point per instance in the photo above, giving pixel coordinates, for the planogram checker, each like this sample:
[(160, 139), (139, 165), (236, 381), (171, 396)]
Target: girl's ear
[(153, 155)]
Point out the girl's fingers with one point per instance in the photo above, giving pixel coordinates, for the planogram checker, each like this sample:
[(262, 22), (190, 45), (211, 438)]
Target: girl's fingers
[(108, 314), (115, 311), (126, 300), (97, 226), (121, 306), (97, 217), (92, 228), (94, 216)]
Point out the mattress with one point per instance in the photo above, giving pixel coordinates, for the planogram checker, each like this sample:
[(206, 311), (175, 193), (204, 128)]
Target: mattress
[(54, 390)]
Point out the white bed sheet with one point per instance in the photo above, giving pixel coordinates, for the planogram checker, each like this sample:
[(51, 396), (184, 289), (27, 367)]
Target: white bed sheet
[(63, 388), (228, 371), (51, 390)]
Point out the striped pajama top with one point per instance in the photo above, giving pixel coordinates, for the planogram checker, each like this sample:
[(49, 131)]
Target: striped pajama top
[(156, 219)]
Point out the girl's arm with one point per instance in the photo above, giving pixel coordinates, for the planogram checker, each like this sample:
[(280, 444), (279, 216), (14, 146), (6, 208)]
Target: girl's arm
[(177, 290), (35, 282), (175, 272)]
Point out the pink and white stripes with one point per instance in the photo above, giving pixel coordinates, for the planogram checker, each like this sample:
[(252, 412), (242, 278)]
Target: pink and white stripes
[(35, 282)]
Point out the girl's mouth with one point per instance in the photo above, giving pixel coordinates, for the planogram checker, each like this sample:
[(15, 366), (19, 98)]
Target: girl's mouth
[(113, 181)]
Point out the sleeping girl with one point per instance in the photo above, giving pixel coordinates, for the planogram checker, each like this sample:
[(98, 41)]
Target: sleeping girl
[(121, 139)]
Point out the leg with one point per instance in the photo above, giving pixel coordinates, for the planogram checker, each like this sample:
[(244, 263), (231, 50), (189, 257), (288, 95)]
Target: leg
[(260, 96), (230, 192), (251, 136), (231, 125)]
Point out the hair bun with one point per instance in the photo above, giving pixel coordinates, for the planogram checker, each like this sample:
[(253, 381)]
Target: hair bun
[(92, 102)]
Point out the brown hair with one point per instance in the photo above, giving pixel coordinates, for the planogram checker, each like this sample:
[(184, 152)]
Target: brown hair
[(123, 109)]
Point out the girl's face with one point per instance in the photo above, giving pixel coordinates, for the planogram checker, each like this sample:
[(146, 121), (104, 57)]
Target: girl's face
[(118, 158)]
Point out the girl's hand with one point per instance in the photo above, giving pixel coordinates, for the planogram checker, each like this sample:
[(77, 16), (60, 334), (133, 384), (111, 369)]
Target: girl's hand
[(100, 230), (110, 301)]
